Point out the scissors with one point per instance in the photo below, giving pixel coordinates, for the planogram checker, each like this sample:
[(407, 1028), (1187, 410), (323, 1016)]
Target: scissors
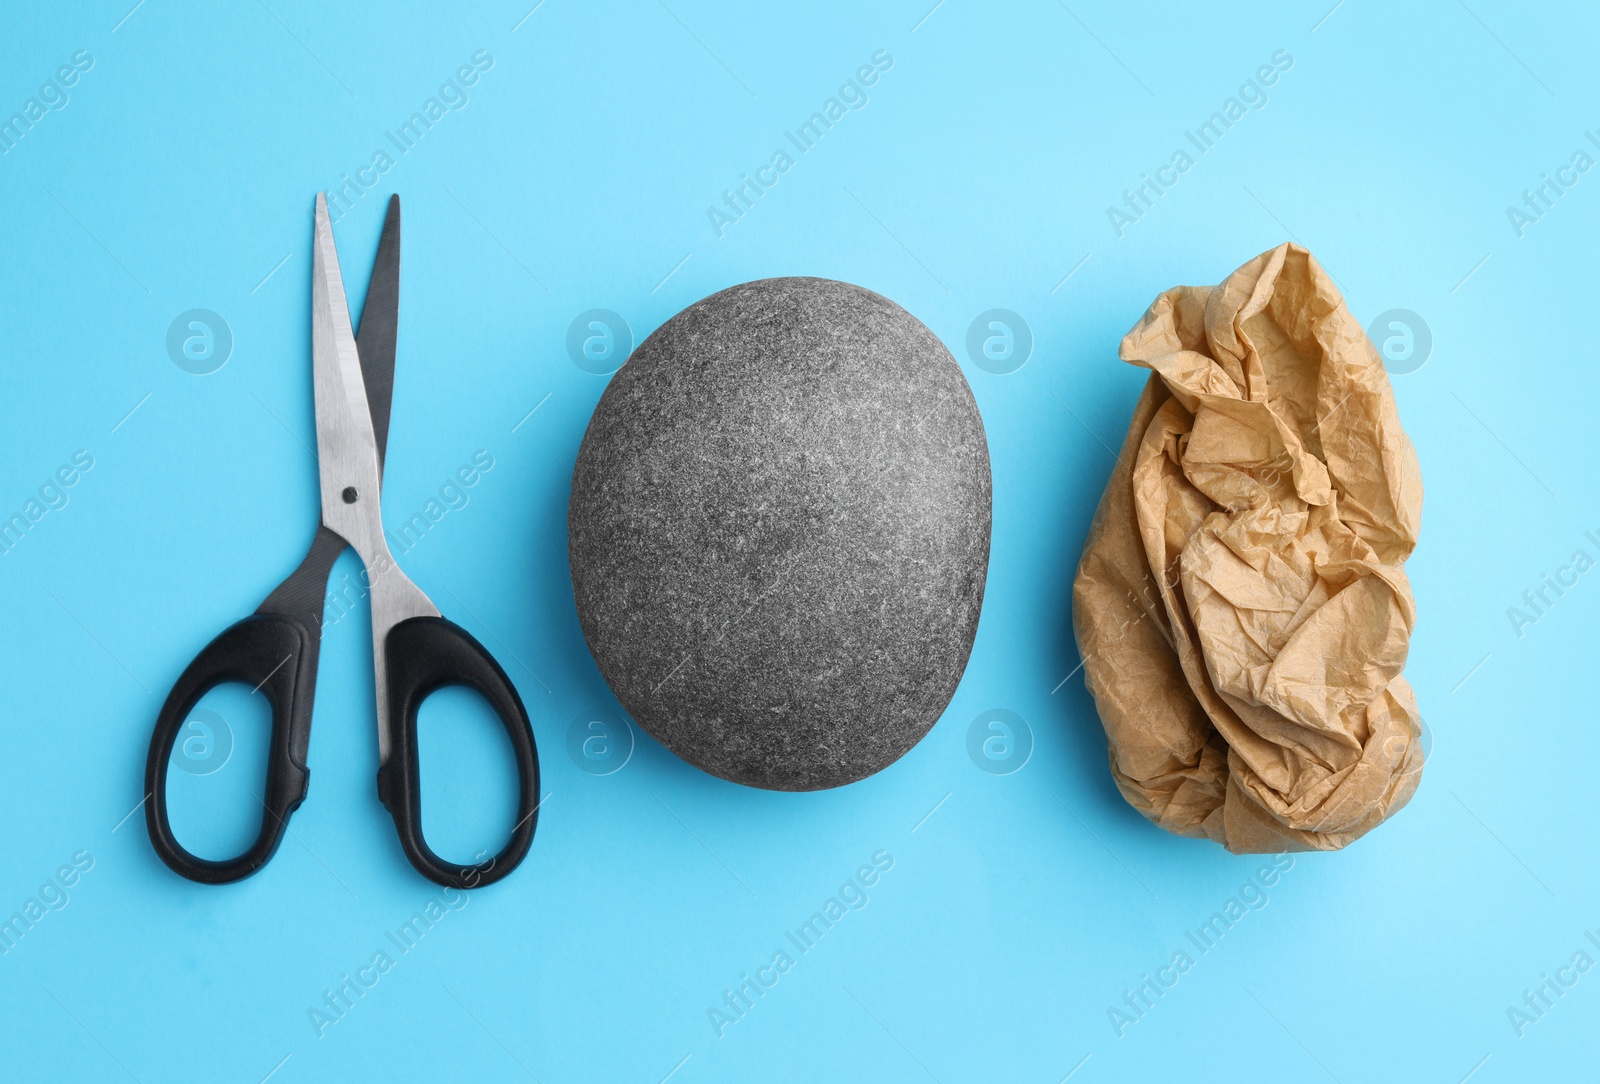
[(415, 650)]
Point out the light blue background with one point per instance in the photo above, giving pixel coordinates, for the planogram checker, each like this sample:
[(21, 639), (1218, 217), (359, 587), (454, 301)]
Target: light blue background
[(182, 172)]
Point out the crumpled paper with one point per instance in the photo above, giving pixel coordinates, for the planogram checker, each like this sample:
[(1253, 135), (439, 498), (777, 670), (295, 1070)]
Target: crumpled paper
[(1241, 607)]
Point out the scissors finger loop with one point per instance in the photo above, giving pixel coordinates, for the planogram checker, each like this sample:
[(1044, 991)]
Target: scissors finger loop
[(270, 652), (424, 654)]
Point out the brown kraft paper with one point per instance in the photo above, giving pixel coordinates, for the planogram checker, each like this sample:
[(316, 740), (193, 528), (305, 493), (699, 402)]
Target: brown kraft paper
[(1241, 608)]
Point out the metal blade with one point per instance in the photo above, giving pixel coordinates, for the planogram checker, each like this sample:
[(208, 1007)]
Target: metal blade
[(380, 316), (347, 451)]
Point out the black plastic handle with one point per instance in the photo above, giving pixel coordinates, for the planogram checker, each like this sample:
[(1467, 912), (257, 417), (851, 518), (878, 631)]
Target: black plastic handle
[(422, 655), (276, 654)]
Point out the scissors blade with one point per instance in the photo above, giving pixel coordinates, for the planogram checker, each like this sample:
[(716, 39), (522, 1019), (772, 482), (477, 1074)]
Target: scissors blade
[(347, 451), (380, 316)]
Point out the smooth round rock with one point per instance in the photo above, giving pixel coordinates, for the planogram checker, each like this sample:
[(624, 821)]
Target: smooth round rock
[(779, 532)]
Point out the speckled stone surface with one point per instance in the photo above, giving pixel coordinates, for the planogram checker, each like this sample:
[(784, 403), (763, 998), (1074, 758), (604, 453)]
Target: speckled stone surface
[(779, 532)]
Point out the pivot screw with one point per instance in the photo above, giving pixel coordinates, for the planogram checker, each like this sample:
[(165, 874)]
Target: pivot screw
[(349, 494)]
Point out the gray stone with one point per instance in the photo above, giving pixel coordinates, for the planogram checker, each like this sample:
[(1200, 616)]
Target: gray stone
[(779, 532)]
